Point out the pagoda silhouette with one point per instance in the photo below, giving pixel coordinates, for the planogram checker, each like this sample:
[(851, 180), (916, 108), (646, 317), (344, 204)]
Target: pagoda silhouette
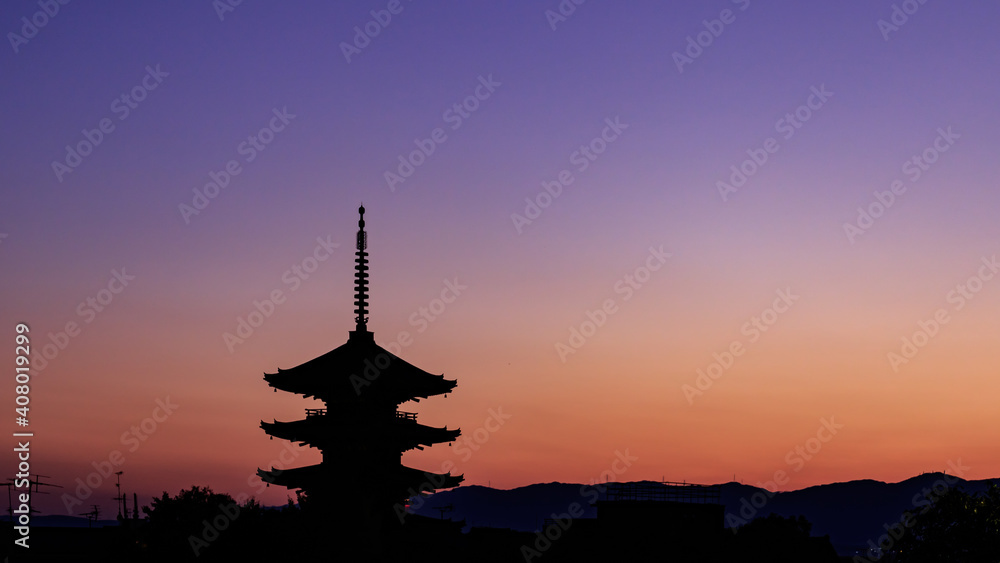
[(361, 484)]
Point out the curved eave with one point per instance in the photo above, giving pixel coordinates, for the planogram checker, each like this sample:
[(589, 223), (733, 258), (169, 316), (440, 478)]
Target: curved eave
[(404, 433), (295, 478), (394, 387), (356, 368), (274, 380), (429, 481), (287, 431), (406, 478), (354, 356), (428, 386)]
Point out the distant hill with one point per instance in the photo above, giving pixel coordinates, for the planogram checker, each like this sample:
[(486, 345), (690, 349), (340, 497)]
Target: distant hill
[(851, 513)]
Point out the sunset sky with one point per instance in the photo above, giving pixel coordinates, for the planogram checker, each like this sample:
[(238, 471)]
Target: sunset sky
[(812, 186)]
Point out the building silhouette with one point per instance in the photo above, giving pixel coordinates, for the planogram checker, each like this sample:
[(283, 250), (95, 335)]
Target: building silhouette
[(361, 484)]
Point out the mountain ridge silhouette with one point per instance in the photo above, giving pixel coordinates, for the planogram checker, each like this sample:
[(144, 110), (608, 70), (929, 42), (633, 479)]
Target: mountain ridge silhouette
[(850, 512)]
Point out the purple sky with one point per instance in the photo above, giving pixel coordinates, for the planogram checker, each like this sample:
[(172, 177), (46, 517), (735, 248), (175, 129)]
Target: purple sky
[(891, 93)]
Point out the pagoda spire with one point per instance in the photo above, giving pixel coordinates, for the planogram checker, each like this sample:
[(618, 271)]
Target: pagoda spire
[(361, 276), (361, 485)]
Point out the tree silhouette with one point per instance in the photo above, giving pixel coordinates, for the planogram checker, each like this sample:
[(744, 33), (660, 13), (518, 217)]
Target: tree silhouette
[(958, 527), (187, 524), (199, 524)]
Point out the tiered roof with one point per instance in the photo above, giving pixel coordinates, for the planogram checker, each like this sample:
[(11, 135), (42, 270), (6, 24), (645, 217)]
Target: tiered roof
[(360, 370), (362, 385), (322, 429)]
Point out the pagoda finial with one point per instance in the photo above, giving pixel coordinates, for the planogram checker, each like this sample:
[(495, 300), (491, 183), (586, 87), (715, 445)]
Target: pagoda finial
[(361, 275)]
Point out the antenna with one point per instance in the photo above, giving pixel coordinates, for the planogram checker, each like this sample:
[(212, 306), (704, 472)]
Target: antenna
[(120, 499), (37, 483), (92, 515)]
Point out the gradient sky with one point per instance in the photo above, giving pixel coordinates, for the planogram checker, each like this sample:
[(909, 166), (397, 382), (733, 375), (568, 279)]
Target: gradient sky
[(826, 357)]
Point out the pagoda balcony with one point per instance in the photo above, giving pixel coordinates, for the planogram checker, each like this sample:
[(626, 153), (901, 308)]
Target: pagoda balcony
[(324, 428), (400, 415)]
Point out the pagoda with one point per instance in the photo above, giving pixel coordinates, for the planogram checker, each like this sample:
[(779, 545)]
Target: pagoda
[(361, 432)]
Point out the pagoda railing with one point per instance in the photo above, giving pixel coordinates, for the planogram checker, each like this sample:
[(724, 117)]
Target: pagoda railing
[(399, 414)]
